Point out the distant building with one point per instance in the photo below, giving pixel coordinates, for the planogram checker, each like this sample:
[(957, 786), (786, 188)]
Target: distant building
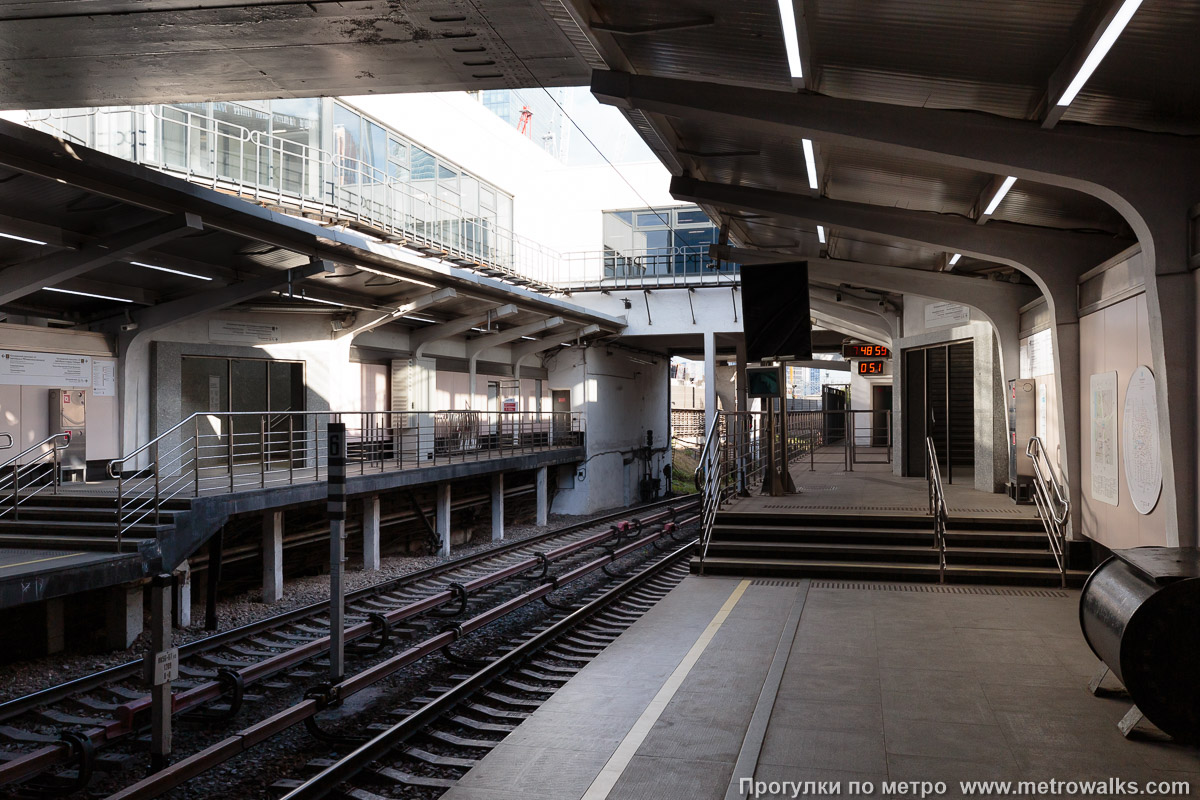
[(537, 113)]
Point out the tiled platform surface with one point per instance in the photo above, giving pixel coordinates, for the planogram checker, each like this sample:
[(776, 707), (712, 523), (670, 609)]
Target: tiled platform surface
[(872, 488), (901, 683)]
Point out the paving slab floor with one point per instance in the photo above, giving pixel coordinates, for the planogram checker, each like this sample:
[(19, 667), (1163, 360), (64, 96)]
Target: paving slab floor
[(880, 682)]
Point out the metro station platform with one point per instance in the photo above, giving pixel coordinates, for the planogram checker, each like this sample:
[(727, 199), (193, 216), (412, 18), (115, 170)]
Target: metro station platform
[(798, 680)]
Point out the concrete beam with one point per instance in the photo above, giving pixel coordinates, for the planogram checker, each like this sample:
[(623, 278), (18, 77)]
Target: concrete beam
[(50, 270), (486, 341), (123, 620), (865, 308), (863, 327), (419, 339), (524, 350), (423, 301), (185, 308)]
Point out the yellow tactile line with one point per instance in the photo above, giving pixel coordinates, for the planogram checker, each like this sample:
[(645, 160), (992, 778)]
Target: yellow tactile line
[(40, 560), (615, 767)]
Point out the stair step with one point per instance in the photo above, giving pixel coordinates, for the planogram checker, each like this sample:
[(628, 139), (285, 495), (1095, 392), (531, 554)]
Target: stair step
[(53, 541), (825, 550), (867, 570), (821, 533), (76, 527)]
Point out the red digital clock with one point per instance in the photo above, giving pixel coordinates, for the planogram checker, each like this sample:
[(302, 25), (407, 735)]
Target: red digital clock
[(865, 351), (872, 367)]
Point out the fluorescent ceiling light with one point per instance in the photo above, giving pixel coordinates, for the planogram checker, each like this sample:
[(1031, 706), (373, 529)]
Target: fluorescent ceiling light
[(791, 42), (418, 319), (1003, 190), (172, 271), (21, 238), (810, 160), (529, 338), (1100, 50), (86, 294), (954, 259), (821, 234)]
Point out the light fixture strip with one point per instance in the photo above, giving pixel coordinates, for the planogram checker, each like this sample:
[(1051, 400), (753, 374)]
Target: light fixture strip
[(86, 294), (1003, 190), (172, 271), (821, 234), (954, 259), (21, 238), (810, 161), (310, 299), (791, 40), (1099, 51)]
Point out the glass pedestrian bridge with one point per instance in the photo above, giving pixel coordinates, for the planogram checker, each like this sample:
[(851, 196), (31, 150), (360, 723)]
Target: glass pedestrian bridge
[(324, 160)]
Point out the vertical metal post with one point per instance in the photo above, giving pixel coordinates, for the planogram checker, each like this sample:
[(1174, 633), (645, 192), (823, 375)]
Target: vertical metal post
[(262, 450), (291, 454), (212, 578), (336, 459), (229, 449), (16, 501), (162, 667), (850, 440), (196, 454), (157, 474)]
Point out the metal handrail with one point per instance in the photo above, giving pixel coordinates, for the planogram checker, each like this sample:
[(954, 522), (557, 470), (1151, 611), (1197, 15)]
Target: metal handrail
[(15, 470), (10, 439), (213, 452), (937, 505), (1053, 504), (709, 476)]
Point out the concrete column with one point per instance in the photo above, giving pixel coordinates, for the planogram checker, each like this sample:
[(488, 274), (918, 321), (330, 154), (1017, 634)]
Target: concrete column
[(741, 375), (123, 616), (543, 504), (183, 595), (272, 591), (56, 635), (371, 532), (471, 375), (710, 379), (443, 517), (497, 506)]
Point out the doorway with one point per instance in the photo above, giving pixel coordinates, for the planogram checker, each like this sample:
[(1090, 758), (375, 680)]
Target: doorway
[(881, 406), (560, 422), (939, 404)]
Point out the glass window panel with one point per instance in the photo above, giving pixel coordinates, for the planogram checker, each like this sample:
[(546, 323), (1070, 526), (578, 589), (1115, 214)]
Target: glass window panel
[(624, 216), (376, 149), (696, 217), (295, 134), (487, 196), (237, 150), (653, 220), (397, 151), (446, 172), (346, 144), (424, 165), (504, 215), (470, 195)]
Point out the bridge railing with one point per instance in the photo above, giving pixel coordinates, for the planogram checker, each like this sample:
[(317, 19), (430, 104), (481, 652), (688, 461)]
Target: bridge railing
[(223, 452)]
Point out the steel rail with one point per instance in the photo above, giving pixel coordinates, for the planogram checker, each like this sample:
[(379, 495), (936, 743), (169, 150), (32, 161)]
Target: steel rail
[(174, 775), (128, 714), (347, 767)]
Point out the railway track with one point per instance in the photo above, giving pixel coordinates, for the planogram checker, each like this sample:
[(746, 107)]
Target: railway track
[(431, 746), (55, 739)]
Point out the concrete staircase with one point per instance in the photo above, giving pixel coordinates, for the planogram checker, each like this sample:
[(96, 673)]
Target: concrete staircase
[(82, 522), (887, 547)]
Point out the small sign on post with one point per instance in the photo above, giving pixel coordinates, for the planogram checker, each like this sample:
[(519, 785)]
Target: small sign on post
[(336, 486), (166, 667)]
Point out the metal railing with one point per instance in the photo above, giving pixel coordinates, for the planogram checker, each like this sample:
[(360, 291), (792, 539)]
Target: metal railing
[(7, 441), (737, 452), (1053, 503), (20, 482), (220, 452), (642, 268), (937, 505)]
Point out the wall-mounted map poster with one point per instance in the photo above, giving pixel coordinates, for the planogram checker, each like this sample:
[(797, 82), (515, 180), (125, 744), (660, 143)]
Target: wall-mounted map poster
[(1139, 433), (1102, 403)]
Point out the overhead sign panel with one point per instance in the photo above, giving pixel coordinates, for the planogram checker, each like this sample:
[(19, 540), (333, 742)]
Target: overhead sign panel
[(775, 312), (27, 368)]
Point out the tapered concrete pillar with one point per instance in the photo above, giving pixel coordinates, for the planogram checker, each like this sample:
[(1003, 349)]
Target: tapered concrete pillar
[(497, 506), (123, 617), (371, 533), (56, 635), (542, 514), (272, 589), (183, 595), (443, 517)]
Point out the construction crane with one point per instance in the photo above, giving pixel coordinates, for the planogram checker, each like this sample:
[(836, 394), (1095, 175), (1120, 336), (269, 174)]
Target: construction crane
[(523, 124)]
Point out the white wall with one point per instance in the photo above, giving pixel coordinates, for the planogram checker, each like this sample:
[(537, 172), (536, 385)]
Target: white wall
[(621, 400)]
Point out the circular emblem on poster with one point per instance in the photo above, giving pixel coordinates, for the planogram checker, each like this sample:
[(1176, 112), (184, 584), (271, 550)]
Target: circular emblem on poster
[(1139, 433)]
